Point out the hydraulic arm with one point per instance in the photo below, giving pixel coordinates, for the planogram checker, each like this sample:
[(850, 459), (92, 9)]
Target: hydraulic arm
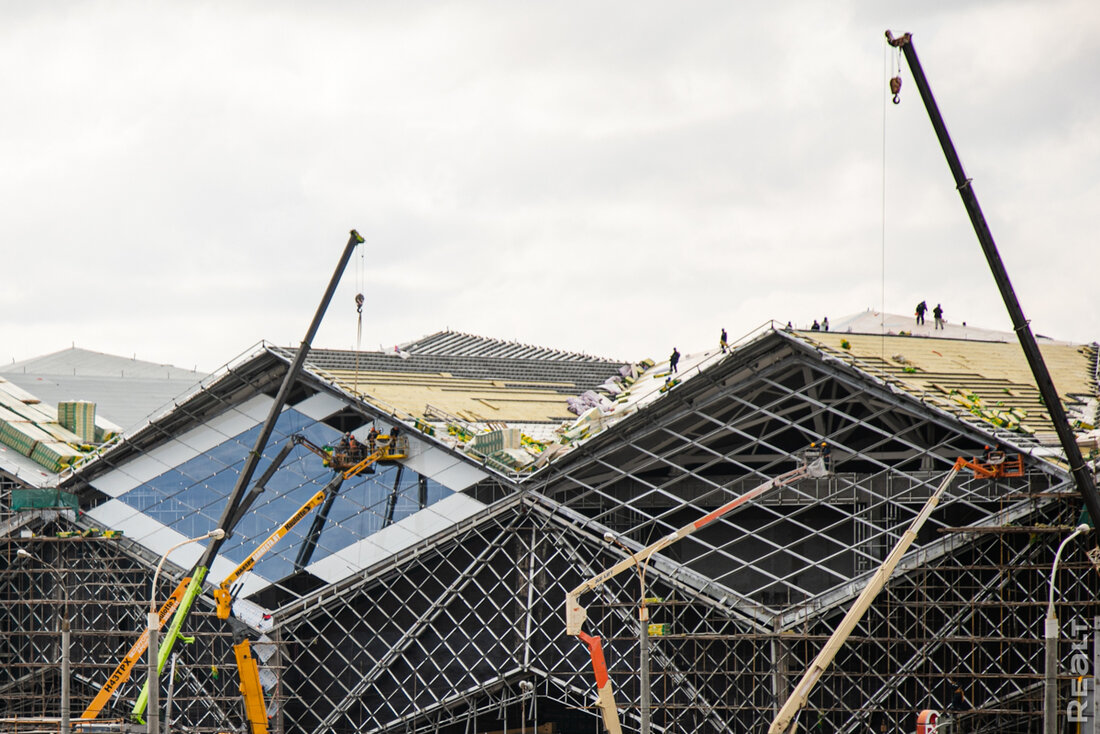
[(813, 465), (797, 699), (223, 595)]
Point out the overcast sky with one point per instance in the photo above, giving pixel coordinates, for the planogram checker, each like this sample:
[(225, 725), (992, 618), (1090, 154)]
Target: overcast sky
[(618, 178)]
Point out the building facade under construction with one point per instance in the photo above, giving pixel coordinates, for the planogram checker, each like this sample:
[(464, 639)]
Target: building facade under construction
[(427, 594)]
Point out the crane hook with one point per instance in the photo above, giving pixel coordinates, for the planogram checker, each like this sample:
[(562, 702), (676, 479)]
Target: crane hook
[(895, 87), (359, 302)]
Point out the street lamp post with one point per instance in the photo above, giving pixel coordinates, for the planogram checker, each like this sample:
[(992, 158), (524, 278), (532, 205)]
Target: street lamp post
[(1051, 633), (644, 698), (23, 554), (154, 632)]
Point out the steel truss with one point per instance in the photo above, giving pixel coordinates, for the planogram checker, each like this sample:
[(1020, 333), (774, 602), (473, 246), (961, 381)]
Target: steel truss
[(464, 632)]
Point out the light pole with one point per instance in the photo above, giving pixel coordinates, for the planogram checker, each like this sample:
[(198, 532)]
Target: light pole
[(643, 636), (154, 632), (25, 555), (1050, 681)]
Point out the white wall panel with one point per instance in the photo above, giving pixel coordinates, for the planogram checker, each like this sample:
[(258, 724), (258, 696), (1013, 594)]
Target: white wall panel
[(451, 471), (320, 406), (144, 530), (397, 537)]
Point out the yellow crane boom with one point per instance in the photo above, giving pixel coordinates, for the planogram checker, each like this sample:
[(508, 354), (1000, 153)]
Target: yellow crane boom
[(122, 672)]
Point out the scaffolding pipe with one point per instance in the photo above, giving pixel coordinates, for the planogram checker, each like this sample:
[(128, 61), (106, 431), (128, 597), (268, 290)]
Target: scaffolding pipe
[(785, 718)]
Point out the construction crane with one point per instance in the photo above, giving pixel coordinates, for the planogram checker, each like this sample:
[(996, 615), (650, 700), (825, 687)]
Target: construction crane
[(812, 465), (237, 502), (347, 459), (1082, 475), (995, 463)]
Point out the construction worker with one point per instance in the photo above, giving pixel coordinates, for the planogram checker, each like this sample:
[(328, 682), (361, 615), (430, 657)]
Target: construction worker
[(816, 326), (825, 324), (921, 308), (937, 313), (722, 341), (673, 360), (958, 697), (372, 438)]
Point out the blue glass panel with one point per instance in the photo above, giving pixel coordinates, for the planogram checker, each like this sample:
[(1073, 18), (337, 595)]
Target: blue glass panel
[(191, 497)]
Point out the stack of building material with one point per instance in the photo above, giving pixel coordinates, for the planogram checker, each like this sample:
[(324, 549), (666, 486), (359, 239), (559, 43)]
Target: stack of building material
[(494, 441), (78, 417), (34, 431)]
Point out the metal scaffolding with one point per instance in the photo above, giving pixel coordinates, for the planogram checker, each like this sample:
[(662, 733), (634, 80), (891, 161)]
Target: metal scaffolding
[(461, 629)]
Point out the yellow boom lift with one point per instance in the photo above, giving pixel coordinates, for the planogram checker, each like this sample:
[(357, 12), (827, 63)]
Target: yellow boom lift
[(348, 459)]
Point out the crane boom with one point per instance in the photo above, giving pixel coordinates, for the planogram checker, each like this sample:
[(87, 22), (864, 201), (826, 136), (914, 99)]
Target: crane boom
[(1052, 402)]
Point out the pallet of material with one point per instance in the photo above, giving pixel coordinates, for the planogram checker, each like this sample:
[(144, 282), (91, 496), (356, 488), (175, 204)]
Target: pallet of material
[(54, 455), (78, 417), (13, 392), (22, 436), (60, 432)]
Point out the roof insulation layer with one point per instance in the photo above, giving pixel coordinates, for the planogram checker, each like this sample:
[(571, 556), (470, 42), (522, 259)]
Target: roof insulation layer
[(475, 379), (987, 380)]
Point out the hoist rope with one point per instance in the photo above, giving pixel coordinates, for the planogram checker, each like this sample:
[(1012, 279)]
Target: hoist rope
[(359, 299), (888, 90)]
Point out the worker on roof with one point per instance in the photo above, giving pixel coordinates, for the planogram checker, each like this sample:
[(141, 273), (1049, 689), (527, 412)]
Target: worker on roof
[(816, 326), (921, 308), (937, 313), (673, 360), (825, 324), (722, 341)]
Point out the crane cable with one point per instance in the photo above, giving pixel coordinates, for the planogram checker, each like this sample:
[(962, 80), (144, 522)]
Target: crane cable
[(895, 89), (359, 299)]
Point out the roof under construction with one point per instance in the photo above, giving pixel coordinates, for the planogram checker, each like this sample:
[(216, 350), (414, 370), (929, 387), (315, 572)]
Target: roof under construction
[(433, 587)]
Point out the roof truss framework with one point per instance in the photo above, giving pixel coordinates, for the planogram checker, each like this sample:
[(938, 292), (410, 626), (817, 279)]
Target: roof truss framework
[(439, 636), (726, 437)]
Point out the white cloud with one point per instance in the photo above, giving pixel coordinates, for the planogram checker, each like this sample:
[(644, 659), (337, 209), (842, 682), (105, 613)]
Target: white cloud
[(179, 180)]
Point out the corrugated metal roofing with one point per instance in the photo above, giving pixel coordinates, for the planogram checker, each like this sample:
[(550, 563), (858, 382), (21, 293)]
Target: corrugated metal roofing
[(126, 391), (86, 363), (457, 344)]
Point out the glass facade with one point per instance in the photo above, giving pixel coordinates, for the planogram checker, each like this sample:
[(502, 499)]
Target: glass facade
[(191, 496)]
